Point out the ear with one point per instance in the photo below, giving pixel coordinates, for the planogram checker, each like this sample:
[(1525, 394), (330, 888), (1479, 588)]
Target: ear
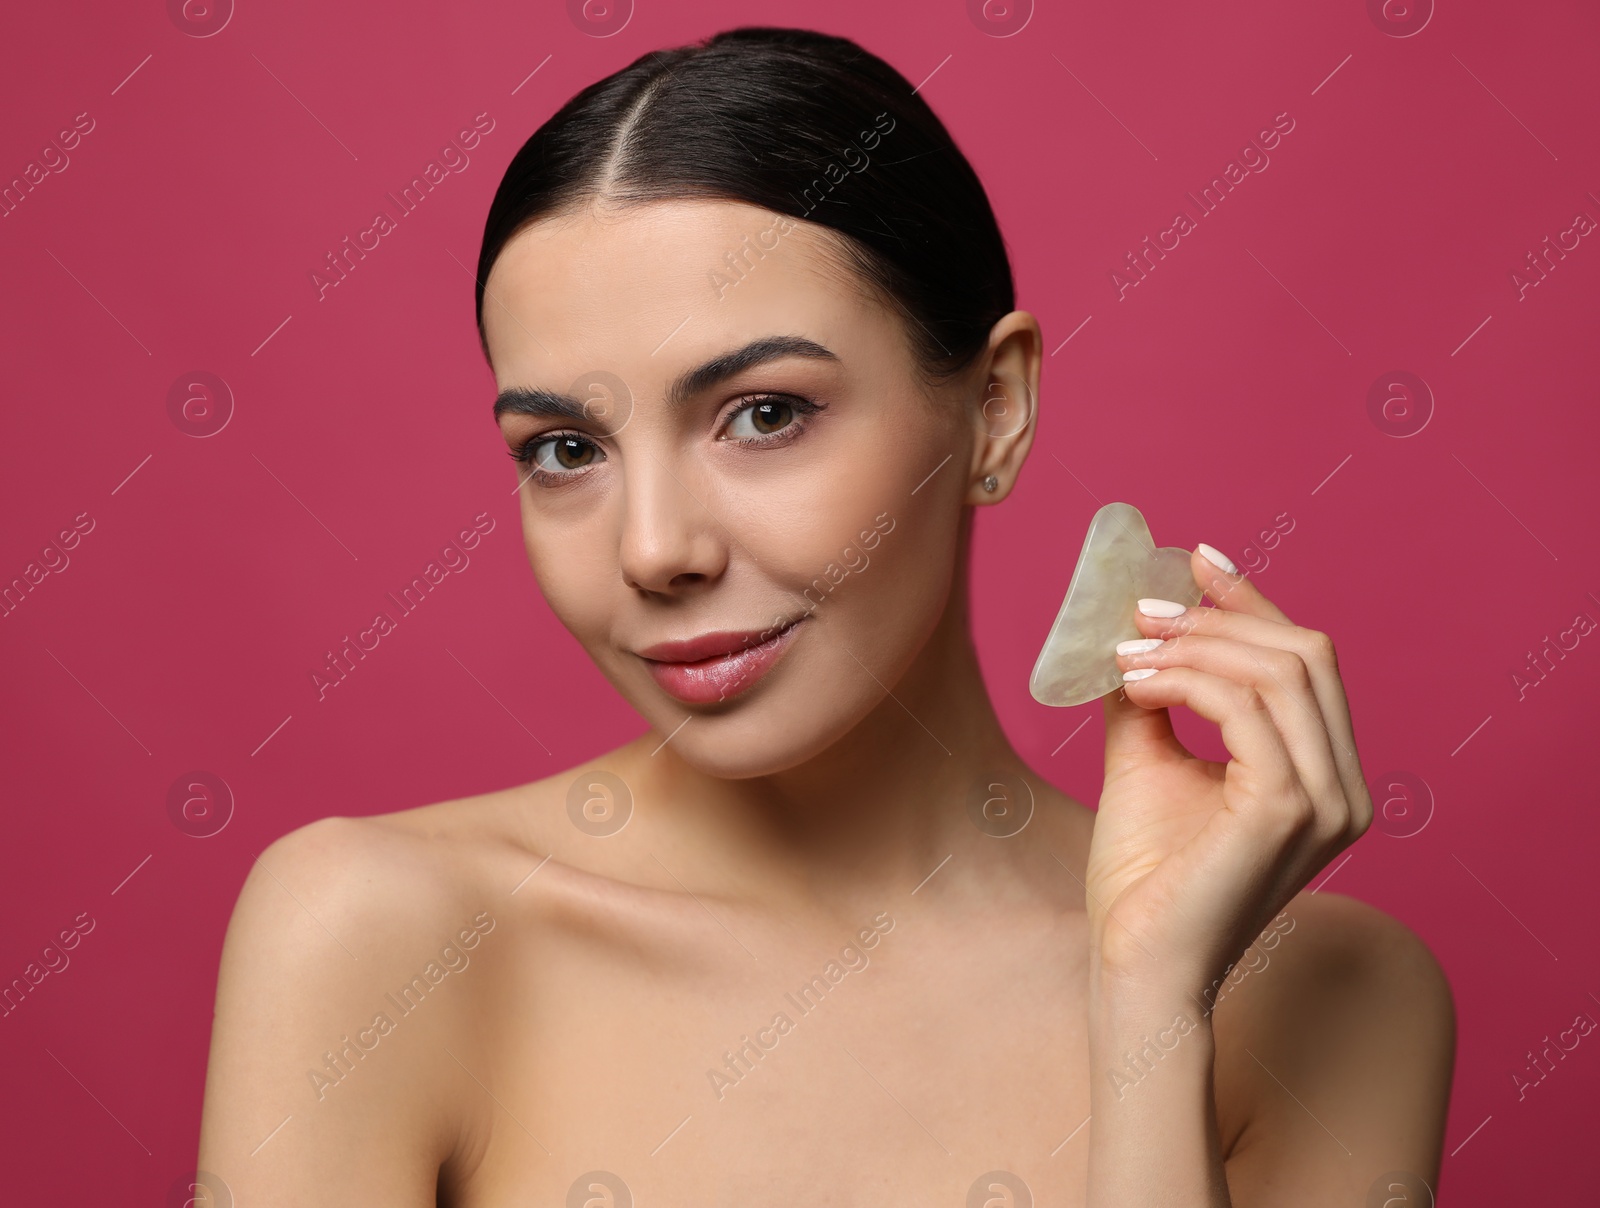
[(1005, 405)]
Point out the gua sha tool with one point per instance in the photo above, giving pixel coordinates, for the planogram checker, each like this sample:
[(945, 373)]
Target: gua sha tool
[(1119, 564)]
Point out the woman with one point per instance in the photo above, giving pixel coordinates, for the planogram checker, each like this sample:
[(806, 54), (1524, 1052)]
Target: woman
[(820, 935)]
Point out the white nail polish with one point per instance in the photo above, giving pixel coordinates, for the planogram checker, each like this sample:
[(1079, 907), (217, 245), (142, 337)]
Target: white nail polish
[(1139, 673), (1217, 558), (1138, 646), (1161, 608)]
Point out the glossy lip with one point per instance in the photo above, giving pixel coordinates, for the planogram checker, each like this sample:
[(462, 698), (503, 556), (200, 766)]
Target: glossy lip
[(709, 645), (736, 662)]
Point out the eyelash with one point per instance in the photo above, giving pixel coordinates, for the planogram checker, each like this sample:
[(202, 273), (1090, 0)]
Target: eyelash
[(804, 409)]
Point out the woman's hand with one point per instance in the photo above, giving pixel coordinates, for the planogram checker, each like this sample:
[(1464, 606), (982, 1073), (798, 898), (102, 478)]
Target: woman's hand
[(1191, 859)]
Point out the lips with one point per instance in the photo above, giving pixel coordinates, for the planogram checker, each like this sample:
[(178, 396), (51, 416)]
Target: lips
[(716, 666)]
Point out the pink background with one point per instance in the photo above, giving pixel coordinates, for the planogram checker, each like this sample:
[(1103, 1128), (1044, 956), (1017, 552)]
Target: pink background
[(1226, 393)]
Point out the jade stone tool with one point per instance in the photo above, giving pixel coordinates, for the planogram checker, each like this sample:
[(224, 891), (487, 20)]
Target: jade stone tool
[(1119, 564)]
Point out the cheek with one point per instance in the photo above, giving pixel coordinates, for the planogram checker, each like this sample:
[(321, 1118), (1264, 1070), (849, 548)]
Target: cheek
[(905, 589), (870, 559), (849, 527), (576, 571)]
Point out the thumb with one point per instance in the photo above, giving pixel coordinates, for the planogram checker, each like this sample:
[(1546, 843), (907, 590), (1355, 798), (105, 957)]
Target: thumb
[(1136, 735)]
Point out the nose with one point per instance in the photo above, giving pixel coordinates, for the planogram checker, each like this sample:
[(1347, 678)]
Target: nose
[(671, 542)]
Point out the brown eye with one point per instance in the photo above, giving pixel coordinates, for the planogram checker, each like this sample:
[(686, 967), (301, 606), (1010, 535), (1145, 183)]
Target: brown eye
[(571, 453), (761, 418), (554, 456)]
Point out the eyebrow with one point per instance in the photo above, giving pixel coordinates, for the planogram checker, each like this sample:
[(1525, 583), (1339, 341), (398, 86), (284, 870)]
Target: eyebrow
[(531, 400)]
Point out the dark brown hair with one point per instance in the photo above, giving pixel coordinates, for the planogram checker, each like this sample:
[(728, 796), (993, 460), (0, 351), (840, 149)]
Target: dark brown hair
[(800, 123)]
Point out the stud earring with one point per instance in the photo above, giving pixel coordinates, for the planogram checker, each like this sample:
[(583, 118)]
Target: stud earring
[(991, 483)]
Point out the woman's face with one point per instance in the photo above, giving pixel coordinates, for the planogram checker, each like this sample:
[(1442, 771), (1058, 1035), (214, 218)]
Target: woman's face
[(744, 452)]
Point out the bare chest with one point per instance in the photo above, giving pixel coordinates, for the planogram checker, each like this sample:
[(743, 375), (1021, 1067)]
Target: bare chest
[(900, 1067)]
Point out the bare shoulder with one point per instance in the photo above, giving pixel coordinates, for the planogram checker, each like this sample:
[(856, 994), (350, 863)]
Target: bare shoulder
[(356, 885), (350, 998), (1327, 946), (349, 870), (1335, 1041), (363, 886)]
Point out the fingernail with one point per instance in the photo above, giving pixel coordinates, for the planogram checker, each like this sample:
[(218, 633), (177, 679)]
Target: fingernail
[(1161, 608), (1139, 673), (1138, 646), (1217, 558)]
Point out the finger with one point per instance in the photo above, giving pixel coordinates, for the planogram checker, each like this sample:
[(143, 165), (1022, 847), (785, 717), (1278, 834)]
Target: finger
[(1284, 682), (1136, 735), (1315, 650), (1231, 590), (1261, 764)]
